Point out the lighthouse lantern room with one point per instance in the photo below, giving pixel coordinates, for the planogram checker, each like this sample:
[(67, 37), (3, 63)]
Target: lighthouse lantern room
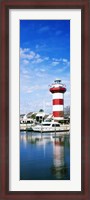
[(58, 89)]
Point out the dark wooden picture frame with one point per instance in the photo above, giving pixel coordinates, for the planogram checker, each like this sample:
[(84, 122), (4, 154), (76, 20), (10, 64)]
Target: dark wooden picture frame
[(5, 5)]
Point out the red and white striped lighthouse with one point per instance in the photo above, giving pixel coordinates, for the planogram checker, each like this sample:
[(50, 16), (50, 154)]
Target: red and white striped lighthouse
[(58, 89)]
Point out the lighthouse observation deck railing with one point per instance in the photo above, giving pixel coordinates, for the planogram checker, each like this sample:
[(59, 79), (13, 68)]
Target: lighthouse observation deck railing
[(53, 85)]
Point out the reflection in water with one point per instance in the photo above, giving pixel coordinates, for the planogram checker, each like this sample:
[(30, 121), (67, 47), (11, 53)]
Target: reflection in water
[(44, 156), (59, 169)]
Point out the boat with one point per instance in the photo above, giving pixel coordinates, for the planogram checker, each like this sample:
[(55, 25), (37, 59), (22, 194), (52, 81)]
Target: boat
[(50, 127), (26, 125)]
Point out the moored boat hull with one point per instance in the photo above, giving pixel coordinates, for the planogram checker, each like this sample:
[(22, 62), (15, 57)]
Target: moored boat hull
[(46, 130)]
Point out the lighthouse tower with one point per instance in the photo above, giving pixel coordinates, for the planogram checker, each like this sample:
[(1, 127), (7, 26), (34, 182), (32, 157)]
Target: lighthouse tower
[(58, 89)]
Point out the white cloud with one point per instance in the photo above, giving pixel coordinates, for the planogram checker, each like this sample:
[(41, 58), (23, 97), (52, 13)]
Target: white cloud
[(54, 63), (29, 91), (26, 76), (57, 59), (25, 62), (24, 50), (37, 56), (64, 60), (42, 70), (43, 29), (46, 58), (32, 88), (27, 55), (24, 71), (39, 60), (31, 55)]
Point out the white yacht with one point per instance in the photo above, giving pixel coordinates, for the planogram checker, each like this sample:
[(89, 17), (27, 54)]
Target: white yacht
[(27, 125), (50, 127)]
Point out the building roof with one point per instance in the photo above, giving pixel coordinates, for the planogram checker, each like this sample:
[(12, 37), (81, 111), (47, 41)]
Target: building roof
[(22, 115), (42, 114), (29, 114)]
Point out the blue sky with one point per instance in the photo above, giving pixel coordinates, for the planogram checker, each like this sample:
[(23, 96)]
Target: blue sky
[(44, 56)]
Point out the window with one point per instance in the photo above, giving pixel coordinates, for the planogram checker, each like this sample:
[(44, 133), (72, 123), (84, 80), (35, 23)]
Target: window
[(46, 124), (55, 125)]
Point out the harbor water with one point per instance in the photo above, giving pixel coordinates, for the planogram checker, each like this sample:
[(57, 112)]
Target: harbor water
[(44, 156)]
